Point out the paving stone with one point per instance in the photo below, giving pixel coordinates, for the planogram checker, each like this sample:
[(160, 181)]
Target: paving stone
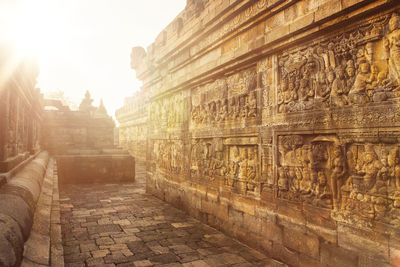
[(164, 258), (104, 241), (121, 225), (143, 263), (100, 253), (199, 263)]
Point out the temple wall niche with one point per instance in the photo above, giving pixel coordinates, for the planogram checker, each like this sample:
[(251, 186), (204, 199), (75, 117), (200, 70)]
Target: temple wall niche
[(288, 135)]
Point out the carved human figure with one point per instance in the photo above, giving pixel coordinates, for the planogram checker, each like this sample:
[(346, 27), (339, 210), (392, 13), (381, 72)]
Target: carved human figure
[(244, 105), (234, 108), (233, 165), (358, 93), (339, 89), (350, 73), (306, 92), (211, 112), (338, 167), (394, 166), (392, 45), (252, 105), (283, 181), (251, 164), (223, 111), (217, 110), (281, 95), (369, 168), (322, 189), (243, 163)]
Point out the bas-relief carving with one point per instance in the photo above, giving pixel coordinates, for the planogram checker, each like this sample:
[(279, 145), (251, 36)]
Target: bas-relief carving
[(371, 188), (353, 69), (242, 174), (168, 156), (235, 164), (230, 99), (359, 181), (169, 112), (207, 159)]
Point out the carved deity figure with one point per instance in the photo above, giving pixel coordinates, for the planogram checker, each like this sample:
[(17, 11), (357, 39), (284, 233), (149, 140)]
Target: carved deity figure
[(392, 45)]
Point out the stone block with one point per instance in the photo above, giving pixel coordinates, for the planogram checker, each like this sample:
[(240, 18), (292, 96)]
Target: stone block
[(252, 223), (364, 241), (271, 231), (284, 254), (235, 217), (302, 242), (306, 261), (332, 255), (327, 9)]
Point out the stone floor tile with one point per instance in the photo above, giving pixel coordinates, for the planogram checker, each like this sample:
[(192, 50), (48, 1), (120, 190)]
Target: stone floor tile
[(144, 263), (121, 225), (100, 253), (199, 263)]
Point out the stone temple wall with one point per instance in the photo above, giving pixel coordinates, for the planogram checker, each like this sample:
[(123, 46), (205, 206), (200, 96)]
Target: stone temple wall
[(278, 122), (20, 109)]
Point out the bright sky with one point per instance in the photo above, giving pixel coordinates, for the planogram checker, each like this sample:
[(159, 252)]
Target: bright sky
[(85, 44)]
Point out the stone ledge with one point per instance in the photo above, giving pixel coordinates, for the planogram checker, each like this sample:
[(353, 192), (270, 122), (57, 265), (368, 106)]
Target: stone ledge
[(44, 246), (18, 201)]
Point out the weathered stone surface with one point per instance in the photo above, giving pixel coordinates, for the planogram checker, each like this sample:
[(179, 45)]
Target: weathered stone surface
[(289, 108), (11, 242), (21, 109)]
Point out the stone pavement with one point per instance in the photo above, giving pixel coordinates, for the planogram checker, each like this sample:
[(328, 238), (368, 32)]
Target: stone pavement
[(121, 225)]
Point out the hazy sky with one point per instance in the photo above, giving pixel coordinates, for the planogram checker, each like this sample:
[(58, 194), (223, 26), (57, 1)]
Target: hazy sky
[(86, 44)]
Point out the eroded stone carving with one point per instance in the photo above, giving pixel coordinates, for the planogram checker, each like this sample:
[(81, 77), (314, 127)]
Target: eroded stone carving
[(168, 155), (231, 99), (354, 68), (169, 112)]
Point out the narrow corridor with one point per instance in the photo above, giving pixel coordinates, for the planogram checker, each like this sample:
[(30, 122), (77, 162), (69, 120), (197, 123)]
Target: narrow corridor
[(121, 225)]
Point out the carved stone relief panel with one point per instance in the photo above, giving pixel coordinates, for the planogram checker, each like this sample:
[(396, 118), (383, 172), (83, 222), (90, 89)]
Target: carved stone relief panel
[(356, 68), (242, 165), (309, 168), (359, 180), (231, 99), (169, 112), (168, 156), (207, 161), (370, 190)]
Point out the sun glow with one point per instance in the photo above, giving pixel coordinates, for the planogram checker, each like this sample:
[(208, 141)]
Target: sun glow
[(35, 28)]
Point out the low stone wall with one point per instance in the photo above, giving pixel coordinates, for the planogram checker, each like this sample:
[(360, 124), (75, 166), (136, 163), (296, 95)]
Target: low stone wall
[(91, 166), (18, 201)]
